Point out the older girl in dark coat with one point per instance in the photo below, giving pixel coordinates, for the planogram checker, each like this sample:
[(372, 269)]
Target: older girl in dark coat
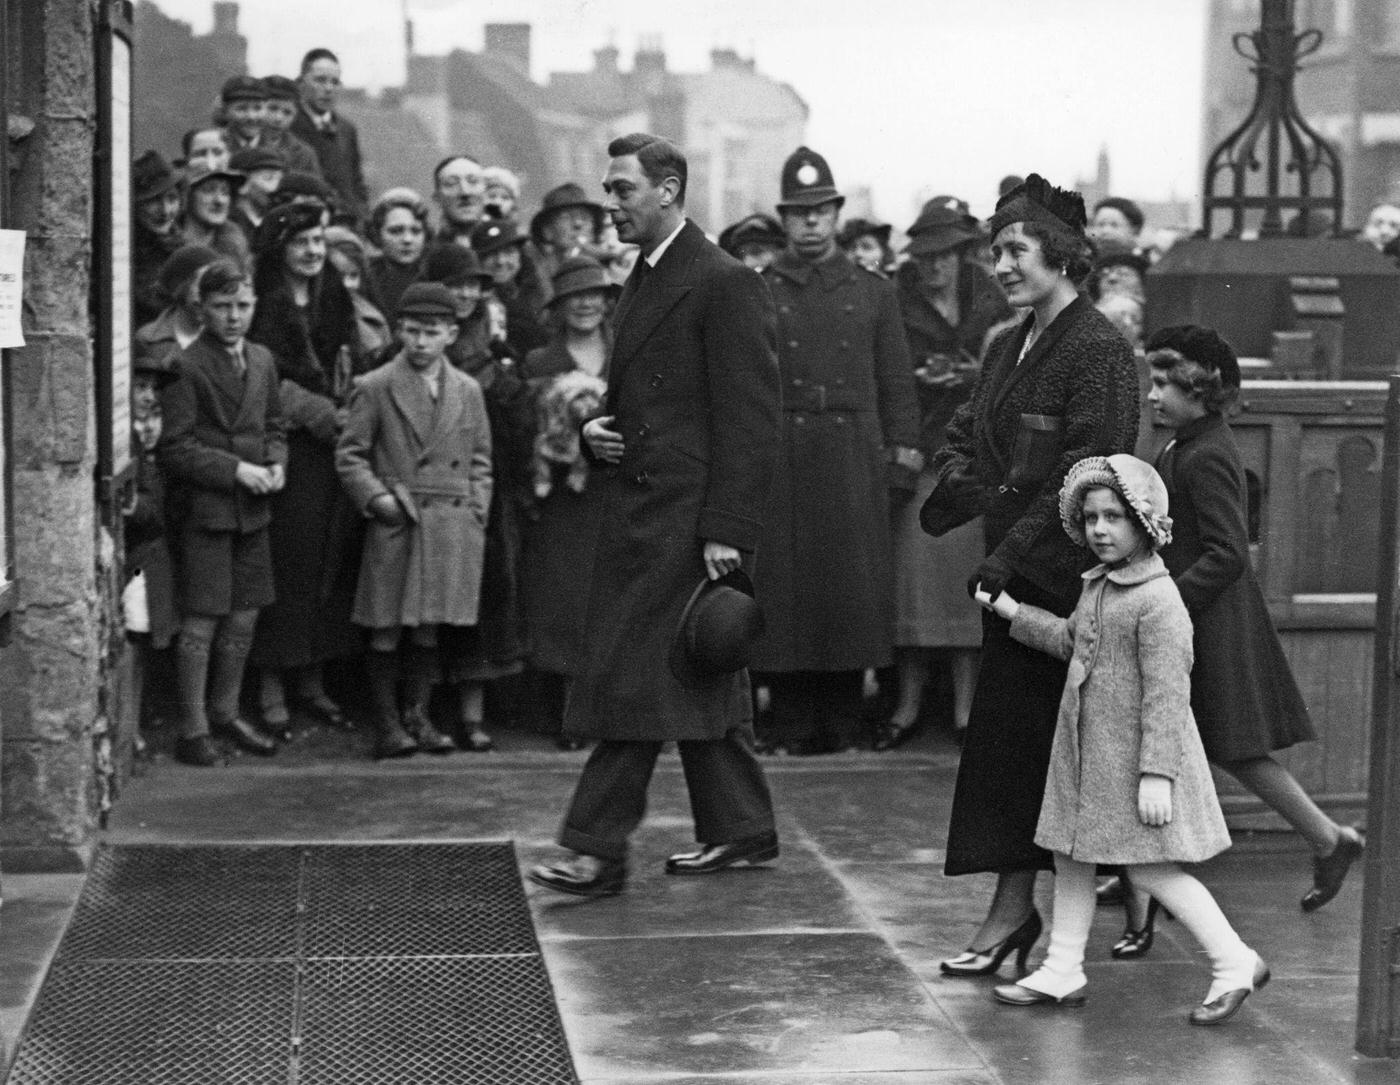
[(1242, 691), (306, 318), (1060, 387)]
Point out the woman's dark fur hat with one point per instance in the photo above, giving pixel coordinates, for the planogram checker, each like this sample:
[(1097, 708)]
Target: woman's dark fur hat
[(1037, 200), (285, 221), (1204, 346)]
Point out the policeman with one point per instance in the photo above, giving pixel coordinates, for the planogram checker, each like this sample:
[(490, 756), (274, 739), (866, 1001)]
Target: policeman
[(850, 428)]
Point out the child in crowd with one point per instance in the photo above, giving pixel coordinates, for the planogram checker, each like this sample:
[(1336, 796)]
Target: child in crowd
[(224, 454), (1242, 690), (1128, 781), (415, 458), (148, 600)]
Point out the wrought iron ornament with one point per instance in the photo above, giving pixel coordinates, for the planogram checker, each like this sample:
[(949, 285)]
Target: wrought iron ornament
[(1255, 161)]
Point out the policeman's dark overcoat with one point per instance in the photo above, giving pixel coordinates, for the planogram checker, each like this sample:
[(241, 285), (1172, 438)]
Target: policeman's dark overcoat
[(693, 389), (825, 569)]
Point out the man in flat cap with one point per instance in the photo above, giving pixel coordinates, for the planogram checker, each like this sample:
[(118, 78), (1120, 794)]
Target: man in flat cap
[(850, 419)]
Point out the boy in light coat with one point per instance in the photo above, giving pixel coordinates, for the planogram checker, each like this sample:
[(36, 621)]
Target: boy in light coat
[(415, 458)]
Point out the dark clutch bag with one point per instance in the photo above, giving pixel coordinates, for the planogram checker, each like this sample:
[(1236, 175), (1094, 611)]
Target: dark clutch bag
[(1040, 442), (956, 499)]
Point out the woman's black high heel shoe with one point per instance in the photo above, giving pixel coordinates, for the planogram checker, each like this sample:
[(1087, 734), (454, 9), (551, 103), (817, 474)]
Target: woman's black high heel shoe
[(983, 962), (1136, 943)]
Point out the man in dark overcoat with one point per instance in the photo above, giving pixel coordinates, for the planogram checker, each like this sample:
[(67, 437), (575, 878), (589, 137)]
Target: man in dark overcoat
[(685, 454), (850, 410)]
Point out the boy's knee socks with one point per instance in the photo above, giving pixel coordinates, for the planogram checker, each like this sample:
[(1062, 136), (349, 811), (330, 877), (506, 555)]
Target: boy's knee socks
[(192, 676)]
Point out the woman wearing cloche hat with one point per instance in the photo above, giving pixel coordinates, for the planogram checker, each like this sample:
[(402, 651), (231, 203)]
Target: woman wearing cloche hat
[(1058, 387)]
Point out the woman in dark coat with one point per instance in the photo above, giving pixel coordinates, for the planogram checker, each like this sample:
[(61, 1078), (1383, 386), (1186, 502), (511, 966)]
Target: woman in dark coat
[(494, 648), (306, 318), (399, 226), (560, 535), (1243, 695), (1059, 387), (948, 305)]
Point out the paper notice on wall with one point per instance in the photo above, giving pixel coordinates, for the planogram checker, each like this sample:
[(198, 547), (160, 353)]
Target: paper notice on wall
[(11, 287)]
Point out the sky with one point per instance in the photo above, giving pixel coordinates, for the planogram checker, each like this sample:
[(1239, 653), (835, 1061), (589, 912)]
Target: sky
[(908, 96)]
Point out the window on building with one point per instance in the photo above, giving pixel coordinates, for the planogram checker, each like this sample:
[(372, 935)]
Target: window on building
[(1387, 30)]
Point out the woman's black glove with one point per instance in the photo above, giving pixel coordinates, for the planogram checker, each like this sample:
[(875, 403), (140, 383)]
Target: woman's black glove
[(956, 499), (992, 575)]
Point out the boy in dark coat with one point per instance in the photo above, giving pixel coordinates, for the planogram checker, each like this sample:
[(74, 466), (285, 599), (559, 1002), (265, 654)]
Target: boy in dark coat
[(415, 458), (224, 453)]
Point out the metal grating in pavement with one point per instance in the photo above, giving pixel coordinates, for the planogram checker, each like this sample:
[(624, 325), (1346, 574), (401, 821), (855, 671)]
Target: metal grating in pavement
[(159, 1023), (311, 965), (497, 1011)]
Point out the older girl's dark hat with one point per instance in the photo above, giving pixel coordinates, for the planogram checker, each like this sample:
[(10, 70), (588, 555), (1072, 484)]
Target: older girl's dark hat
[(717, 631), (558, 198), (807, 181), (151, 176), (491, 235), (577, 274)]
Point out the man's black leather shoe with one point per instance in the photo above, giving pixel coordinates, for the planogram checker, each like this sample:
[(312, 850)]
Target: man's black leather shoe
[(247, 736), (581, 876), (712, 858)]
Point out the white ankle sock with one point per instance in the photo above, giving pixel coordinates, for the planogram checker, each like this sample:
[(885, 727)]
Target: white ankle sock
[(1231, 961), (1062, 971)]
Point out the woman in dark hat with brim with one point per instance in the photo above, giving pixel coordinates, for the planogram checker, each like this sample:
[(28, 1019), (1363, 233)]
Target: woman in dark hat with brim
[(948, 304), (868, 244), (494, 648), (559, 539), (306, 318), (501, 249), (1060, 386), (155, 198)]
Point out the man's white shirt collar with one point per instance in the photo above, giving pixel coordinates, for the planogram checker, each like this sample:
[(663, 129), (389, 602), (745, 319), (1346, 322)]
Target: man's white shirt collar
[(660, 250)]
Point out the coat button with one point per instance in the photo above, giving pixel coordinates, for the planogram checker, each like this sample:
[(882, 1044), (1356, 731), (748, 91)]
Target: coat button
[(645, 429), (797, 382), (798, 420), (456, 463), (424, 503), (457, 502), (656, 380), (642, 478), (792, 343), (845, 345), (425, 462)]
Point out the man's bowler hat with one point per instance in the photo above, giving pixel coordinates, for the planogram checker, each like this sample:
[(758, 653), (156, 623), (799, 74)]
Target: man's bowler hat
[(257, 158), (807, 181), (717, 630)]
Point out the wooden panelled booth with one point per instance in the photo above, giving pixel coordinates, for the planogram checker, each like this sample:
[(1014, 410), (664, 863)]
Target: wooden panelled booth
[(1312, 453)]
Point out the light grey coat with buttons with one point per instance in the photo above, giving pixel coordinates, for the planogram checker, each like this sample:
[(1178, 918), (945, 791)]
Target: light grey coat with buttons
[(825, 571), (1126, 710), (434, 457)]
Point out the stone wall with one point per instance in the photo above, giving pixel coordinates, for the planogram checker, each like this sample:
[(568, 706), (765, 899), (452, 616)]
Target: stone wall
[(53, 671)]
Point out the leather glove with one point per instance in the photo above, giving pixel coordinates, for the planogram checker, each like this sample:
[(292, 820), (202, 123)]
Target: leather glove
[(993, 574)]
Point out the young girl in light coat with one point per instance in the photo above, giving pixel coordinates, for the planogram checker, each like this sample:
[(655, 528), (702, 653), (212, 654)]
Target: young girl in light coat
[(1128, 781)]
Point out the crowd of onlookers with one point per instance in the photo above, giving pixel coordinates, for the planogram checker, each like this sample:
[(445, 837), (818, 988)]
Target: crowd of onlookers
[(269, 200)]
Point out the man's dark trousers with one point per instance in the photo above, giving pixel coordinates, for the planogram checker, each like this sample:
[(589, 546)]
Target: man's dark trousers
[(729, 797)]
